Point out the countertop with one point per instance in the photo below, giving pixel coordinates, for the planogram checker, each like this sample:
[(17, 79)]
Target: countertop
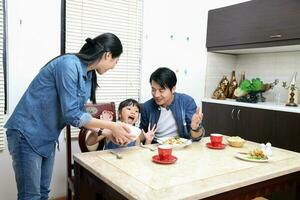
[(259, 105), (199, 171)]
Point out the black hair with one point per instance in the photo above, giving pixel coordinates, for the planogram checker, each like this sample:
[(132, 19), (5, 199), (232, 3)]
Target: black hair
[(128, 102), (93, 50), (164, 77)]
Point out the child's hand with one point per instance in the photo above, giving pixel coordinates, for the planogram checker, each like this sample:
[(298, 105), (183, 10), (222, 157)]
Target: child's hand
[(150, 134)]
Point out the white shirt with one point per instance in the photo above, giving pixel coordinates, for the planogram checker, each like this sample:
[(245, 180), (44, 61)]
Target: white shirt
[(166, 124)]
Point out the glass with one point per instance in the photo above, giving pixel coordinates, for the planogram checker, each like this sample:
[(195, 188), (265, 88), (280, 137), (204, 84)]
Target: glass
[(277, 98)]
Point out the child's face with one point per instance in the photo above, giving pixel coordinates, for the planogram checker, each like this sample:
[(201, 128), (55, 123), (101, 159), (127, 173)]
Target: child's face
[(129, 114)]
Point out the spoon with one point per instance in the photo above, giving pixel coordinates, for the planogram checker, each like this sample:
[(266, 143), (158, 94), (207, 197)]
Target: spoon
[(148, 147), (118, 156)]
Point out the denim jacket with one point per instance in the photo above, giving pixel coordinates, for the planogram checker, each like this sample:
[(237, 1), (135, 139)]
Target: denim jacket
[(54, 98), (183, 108)]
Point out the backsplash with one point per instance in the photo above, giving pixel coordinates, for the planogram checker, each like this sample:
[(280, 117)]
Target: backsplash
[(267, 66)]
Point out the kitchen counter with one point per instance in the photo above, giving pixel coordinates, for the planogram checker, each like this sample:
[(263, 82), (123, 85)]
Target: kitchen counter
[(259, 105), (198, 173)]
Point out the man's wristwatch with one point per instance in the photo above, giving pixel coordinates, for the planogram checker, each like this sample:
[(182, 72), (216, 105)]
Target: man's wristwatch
[(197, 129)]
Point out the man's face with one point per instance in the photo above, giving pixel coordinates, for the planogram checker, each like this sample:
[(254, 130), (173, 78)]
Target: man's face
[(162, 96)]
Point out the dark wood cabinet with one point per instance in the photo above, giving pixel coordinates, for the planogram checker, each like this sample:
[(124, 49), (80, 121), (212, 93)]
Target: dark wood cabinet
[(256, 23), (287, 130), (251, 124), (218, 118), (282, 129)]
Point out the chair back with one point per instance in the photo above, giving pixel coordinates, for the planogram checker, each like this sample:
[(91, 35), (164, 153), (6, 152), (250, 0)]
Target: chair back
[(97, 111)]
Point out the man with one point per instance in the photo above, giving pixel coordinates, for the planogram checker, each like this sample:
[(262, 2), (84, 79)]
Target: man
[(174, 114)]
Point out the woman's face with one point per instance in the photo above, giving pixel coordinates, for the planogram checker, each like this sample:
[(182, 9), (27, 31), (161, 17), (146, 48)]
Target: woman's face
[(106, 63), (162, 96), (129, 114)]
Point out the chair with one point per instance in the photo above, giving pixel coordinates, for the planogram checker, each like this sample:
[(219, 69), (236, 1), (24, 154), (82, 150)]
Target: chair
[(96, 111)]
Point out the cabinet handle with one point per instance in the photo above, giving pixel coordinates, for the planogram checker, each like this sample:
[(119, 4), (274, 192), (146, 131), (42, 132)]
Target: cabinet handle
[(276, 36), (232, 113), (238, 114)]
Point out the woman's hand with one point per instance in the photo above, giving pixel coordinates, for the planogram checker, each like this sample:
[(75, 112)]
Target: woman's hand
[(121, 131), (150, 134), (196, 119)]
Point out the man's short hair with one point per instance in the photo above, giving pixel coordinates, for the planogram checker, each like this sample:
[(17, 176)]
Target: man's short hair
[(164, 77)]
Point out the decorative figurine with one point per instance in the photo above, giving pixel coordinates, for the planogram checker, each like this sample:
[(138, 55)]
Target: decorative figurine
[(222, 89), (232, 86), (293, 92)]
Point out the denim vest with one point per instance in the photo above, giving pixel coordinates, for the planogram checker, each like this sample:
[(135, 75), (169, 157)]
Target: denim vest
[(54, 98), (183, 108)]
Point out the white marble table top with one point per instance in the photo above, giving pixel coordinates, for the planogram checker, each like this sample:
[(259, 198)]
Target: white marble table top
[(199, 171)]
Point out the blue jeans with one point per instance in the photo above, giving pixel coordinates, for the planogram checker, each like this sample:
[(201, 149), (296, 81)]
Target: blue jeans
[(32, 171)]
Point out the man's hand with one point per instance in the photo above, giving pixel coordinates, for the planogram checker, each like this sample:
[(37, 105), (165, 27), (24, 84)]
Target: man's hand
[(197, 119)]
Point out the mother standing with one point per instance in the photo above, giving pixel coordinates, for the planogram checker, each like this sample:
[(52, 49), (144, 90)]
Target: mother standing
[(55, 98)]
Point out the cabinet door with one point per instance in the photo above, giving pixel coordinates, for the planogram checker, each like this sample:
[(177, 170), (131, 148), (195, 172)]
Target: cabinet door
[(255, 124), (218, 118), (258, 22), (287, 131)]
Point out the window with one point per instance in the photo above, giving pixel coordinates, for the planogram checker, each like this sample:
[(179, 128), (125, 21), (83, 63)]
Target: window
[(89, 18), (2, 80)]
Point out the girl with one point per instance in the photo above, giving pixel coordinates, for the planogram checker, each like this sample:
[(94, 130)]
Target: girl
[(128, 112)]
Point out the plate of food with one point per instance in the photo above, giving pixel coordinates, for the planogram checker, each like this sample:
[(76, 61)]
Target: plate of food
[(175, 142), (256, 155)]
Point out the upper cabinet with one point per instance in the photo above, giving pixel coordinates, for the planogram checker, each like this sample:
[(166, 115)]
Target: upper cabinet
[(254, 24)]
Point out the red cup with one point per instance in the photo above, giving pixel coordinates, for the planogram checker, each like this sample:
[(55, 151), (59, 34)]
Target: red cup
[(164, 152), (216, 139)]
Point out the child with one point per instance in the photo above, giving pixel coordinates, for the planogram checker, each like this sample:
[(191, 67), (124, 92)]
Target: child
[(128, 112)]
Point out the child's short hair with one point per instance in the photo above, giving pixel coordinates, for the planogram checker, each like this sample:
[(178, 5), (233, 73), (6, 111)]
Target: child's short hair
[(128, 102)]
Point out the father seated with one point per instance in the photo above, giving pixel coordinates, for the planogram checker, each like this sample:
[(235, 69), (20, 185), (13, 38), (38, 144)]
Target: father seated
[(174, 114)]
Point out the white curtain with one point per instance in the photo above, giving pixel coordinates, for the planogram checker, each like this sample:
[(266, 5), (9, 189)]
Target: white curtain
[(89, 18)]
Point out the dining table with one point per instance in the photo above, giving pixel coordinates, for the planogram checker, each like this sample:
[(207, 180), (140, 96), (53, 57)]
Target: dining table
[(199, 172)]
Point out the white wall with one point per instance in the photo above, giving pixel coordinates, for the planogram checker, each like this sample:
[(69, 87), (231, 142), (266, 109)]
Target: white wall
[(36, 39), (181, 19), (33, 39)]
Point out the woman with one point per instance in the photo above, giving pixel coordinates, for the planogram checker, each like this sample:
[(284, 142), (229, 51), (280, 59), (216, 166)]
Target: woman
[(55, 98)]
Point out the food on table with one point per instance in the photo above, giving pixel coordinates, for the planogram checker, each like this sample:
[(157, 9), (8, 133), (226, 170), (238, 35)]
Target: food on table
[(236, 141), (174, 140), (257, 154)]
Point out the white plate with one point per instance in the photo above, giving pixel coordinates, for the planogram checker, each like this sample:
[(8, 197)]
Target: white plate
[(247, 158), (185, 142)]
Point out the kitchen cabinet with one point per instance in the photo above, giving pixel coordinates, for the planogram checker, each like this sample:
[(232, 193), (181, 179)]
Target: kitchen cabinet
[(287, 130), (251, 124), (253, 24), (280, 128)]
